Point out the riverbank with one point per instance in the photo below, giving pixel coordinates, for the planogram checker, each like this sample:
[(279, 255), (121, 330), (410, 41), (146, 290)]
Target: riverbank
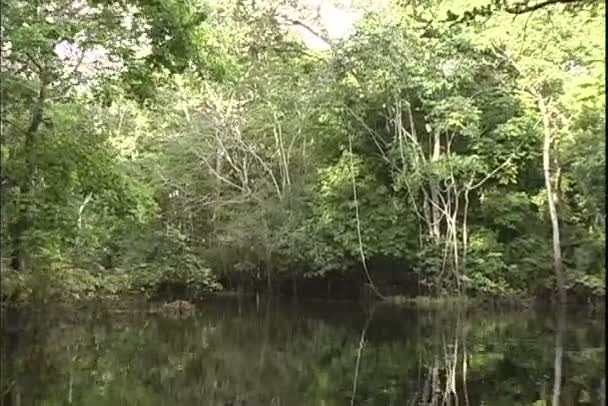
[(139, 302)]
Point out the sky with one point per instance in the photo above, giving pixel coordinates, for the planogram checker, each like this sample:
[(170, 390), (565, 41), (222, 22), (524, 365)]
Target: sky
[(336, 18)]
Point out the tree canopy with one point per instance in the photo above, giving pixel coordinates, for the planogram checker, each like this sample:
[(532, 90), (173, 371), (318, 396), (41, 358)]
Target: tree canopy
[(181, 147)]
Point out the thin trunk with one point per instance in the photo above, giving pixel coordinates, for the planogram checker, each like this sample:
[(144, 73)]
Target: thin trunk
[(266, 336), (267, 256), (464, 370), (304, 154), (16, 397), (23, 223), (87, 199), (359, 352), (557, 253), (418, 156), (266, 168), (465, 231), (279, 151), (559, 352), (557, 182), (452, 212), (245, 177), (436, 217), (454, 364), (426, 389), (284, 155), (435, 391), (70, 389), (358, 222), (283, 165), (218, 183), (426, 209), (453, 218)]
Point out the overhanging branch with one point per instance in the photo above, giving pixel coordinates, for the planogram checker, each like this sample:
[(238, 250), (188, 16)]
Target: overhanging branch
[(526, 7)]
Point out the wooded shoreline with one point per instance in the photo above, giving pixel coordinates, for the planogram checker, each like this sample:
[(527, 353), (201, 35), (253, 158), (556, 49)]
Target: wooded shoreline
[(177, 149)]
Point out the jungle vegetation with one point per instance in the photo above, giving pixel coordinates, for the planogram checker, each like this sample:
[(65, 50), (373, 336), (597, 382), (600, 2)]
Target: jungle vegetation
[(440, 147)]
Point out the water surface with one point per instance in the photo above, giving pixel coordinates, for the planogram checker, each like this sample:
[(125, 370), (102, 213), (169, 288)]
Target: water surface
[(280, 353)]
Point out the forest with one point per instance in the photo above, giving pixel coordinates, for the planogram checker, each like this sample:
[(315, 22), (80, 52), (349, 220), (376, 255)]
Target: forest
[(339, 149)]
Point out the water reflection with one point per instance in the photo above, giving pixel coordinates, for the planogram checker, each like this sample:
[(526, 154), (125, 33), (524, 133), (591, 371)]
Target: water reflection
[(559, 354), (237, 353)]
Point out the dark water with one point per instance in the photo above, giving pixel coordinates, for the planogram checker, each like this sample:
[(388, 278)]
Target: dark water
[(323, 354)]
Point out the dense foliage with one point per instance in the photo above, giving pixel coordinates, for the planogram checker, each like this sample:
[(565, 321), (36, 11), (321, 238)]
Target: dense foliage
[(180, 147)]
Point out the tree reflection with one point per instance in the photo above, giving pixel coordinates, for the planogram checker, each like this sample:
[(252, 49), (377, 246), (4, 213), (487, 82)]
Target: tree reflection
[(359, 352), (559, 353), (305, 355)]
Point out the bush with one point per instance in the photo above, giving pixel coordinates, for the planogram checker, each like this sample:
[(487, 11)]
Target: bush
[(176, 277)]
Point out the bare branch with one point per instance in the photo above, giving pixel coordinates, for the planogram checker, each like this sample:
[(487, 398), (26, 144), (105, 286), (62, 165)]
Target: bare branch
[(217, 175), (489, 175), (307, 28), (524, 7), (35, 62)]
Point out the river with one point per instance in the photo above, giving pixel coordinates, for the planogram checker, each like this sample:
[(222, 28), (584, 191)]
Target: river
[(277, 352)]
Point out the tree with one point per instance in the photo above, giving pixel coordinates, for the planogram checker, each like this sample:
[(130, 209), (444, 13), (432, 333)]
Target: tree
[(174, 147)]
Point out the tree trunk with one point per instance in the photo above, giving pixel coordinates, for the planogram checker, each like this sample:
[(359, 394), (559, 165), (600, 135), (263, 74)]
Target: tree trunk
[(559, 352), (427, 214), (358, 223), (22, 223), (436, 217), (418, 156), (268, 280), (465, 229), (557, 252)]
